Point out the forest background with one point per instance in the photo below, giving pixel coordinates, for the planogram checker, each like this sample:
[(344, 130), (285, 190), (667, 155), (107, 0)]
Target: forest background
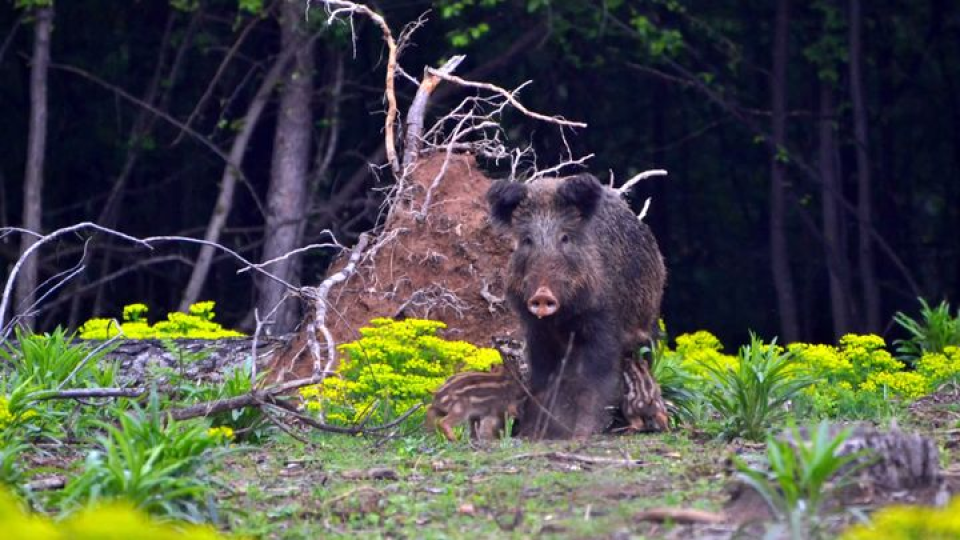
[(812, 147)]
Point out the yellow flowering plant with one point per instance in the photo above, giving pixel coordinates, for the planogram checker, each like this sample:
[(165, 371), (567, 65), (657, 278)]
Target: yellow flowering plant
[(700, 351), (910, 523), (197, 324), (99, 522), (395, 365), (858, 378), (940, 368), (221, 434)]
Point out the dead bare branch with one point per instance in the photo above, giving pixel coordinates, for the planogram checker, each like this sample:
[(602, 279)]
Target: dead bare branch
[(297, 251), (337, 429), (680, 515), (317, 296), (560, 166), (418, 109), (337, 8), (582, 458), (8, 288), (509, 97), (629, 184), (643, 211), (85, 393)]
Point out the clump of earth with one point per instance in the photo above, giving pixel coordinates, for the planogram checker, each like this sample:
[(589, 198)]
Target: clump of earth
[(445, 262)]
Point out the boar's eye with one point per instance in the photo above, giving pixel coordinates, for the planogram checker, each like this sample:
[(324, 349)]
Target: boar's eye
[(564, 238), (526, 241)]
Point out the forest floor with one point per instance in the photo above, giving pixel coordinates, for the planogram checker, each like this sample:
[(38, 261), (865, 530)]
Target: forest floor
[(423, 487)]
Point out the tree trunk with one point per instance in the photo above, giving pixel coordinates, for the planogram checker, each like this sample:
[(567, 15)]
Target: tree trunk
[(833, 244), (36, 146), (779, 250), (289, 172), (871, 291), (228, 183)]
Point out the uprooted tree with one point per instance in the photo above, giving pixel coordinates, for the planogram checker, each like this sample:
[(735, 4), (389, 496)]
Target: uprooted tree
[(433, 254)]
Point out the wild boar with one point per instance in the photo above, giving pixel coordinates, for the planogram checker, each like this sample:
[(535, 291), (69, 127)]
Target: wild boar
[(586, 278)]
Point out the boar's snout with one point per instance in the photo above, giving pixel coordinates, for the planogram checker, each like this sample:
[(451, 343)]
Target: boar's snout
[(543, 303)]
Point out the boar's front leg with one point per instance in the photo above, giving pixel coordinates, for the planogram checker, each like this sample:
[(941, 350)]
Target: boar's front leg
[(595, 380)]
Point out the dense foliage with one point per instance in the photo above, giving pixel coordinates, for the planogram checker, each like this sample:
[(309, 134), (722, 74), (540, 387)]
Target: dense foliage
[(855, 379), (394, 366), (155, 464), (135, 454)]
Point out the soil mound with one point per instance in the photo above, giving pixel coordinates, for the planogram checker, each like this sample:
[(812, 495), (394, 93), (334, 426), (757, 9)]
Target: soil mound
[(446, 263)]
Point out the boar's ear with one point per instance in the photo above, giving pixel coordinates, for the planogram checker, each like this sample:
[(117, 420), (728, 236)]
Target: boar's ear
[(504, 197), (582, 192)]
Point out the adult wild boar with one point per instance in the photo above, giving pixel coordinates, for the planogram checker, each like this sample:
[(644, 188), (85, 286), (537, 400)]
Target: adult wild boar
[(586, 278)]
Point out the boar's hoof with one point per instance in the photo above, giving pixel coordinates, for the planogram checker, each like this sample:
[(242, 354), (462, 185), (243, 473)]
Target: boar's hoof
[(543, 303)]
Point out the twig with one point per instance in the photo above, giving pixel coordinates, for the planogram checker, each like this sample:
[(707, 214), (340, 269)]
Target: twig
[(297, 251), (559, 166), (581, 458), (543, 423), (47, 484), (508, 96), (5, 301), (680, 515), (628, 185), (214, 245), (337, 429), (643, 211), (428, 197), (78, 291), (84, 393), (59, 279), (265, 407)]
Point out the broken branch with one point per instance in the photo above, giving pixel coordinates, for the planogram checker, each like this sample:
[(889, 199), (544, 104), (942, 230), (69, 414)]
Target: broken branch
[(628, 185), (341, 7), (508, 96)]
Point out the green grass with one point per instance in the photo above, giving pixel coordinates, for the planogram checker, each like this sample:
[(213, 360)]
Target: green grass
[(286, 489)]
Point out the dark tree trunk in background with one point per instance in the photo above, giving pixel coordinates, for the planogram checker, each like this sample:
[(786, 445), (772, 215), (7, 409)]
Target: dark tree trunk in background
[(868, 278), (779, 250), (36, 145), (833, 244), (289, 173), (231, 175)]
